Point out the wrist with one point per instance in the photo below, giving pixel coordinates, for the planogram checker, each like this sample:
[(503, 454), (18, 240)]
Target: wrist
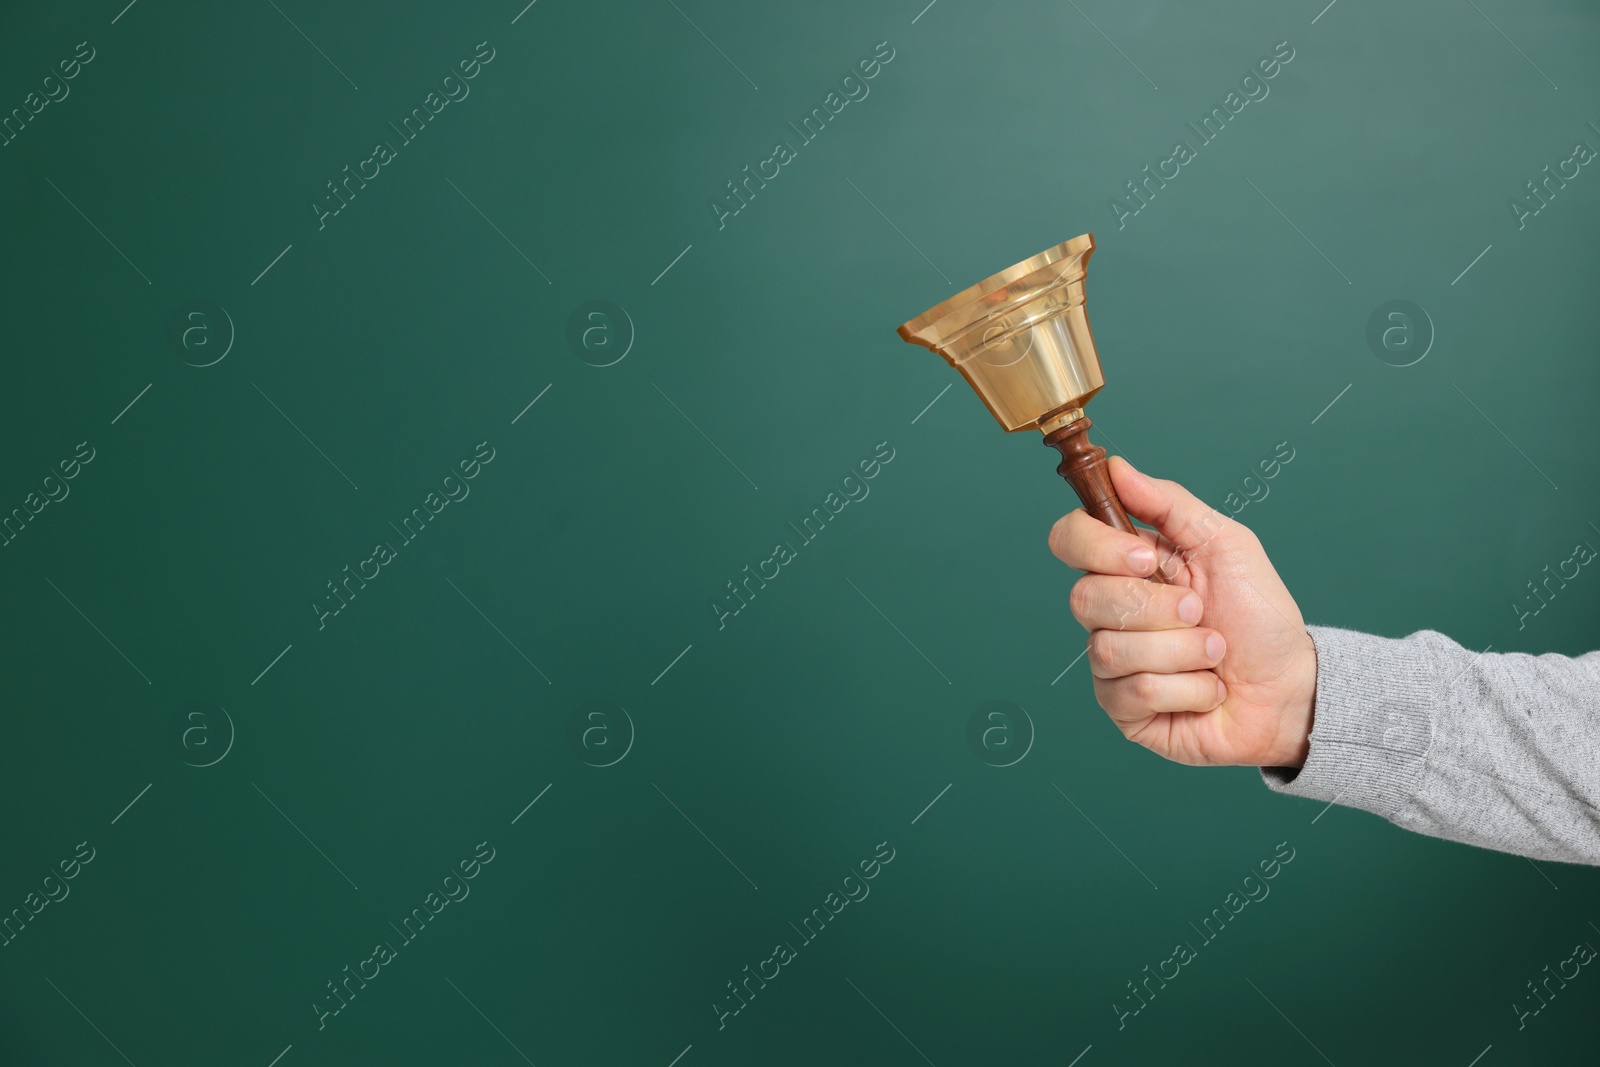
[(1299, 711)]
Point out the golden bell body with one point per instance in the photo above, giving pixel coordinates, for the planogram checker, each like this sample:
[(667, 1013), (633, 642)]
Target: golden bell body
[(1021, 339)]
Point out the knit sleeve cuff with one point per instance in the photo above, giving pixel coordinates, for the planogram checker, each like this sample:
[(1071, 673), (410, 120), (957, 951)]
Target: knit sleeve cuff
[(1371, 724)]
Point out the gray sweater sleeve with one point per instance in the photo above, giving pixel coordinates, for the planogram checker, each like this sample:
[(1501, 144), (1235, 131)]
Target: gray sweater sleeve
[(1500, 751)]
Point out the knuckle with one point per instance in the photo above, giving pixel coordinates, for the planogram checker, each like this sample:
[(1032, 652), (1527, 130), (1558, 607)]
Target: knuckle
[(1144, 687), (1057, 539), (1102, 651), (1081, 599), (1066, 538)]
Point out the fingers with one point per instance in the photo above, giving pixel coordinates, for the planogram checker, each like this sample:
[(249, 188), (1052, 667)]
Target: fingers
[(1140, 696), (1085, 543), (1120, 653), (1101, 601), (1182, 518)]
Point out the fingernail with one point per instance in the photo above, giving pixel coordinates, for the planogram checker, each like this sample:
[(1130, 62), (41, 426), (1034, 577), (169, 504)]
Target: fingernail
[(1214, 648), (1141, 560), (1222, 691), (1189, 609)]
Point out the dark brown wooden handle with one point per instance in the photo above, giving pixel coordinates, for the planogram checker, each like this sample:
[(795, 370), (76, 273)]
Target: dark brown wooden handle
[(1083, 464)]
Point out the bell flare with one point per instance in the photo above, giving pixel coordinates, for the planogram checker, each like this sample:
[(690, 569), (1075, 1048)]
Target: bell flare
[(1021, 338)]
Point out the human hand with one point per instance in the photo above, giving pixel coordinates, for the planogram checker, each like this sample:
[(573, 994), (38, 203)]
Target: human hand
[(1238, 689)]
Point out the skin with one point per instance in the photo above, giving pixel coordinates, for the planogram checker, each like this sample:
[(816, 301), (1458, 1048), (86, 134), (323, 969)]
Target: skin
[(1215, 669)]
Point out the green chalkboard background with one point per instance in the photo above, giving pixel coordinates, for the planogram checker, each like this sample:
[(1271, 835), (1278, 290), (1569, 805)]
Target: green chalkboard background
[(300, 380)]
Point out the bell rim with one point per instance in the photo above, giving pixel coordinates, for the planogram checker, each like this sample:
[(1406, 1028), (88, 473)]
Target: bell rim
[(1080, 247)]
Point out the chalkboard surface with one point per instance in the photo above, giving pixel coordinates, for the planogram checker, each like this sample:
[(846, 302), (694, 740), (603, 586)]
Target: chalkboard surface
[(486, 584)]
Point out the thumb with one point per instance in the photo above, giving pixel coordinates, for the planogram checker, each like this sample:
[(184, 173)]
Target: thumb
[(1181, 517)]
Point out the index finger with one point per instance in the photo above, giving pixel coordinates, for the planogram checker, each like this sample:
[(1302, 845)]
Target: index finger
[(1087, 544)]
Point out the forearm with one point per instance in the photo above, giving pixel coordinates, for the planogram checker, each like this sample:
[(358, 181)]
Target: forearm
[(1500, 751)]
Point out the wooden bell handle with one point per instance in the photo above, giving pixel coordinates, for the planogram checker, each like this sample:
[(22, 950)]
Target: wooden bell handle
[(1084, 466)]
